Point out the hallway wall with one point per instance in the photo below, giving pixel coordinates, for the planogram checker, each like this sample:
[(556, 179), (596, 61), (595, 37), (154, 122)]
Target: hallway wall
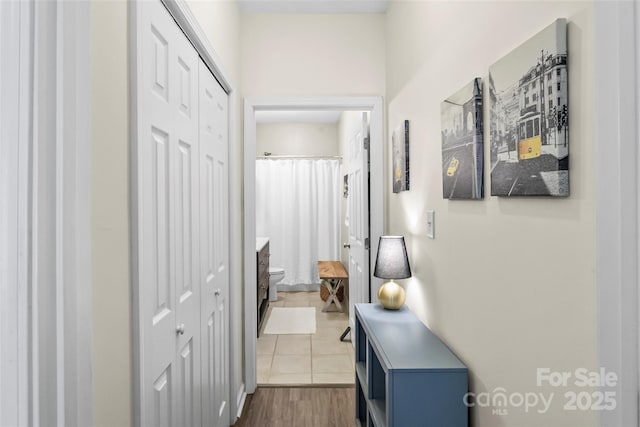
[(299, 139), (508, 283), (112, 339), (312, 55)]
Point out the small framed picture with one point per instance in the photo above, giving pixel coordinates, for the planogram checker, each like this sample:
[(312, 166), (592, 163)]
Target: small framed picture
[(400, 147), (462, 147)]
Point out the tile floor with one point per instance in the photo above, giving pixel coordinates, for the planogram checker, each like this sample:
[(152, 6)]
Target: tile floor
[(319, 358)]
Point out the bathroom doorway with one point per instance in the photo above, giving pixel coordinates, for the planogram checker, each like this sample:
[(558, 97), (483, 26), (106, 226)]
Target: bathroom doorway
[(301, 217), (278, 350)]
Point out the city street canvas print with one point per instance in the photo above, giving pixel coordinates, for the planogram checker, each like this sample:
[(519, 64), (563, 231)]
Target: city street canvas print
[(400, 148), (529, 129), (462, 146)]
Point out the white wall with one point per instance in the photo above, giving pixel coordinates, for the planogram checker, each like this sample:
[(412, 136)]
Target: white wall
[(302, 139), (312, 55), (508, 284), (112, 349)]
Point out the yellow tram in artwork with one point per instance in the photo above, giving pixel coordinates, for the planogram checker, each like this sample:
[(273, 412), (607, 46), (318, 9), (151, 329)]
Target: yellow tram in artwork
[(529, 139)]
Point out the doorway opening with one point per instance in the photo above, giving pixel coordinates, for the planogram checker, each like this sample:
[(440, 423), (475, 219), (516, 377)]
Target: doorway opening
[(254, 109), (302, 224)]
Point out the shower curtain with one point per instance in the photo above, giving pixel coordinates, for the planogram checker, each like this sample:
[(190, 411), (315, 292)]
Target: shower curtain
[(298, 209)]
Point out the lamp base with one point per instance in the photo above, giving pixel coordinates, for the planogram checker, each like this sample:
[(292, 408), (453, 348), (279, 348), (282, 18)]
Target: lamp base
[(391, 295)]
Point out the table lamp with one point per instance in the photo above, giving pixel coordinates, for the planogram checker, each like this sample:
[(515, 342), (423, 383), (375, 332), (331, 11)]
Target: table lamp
[(392, 263)]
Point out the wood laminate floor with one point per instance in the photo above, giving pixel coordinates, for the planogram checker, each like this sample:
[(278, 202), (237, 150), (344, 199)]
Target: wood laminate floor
[(299, 407)]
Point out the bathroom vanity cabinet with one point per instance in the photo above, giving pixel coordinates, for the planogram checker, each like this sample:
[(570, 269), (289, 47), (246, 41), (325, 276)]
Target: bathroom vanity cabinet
[(262, 267)]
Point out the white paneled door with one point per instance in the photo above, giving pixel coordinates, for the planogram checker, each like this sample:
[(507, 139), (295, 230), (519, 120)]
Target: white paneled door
[(358, 199), (214, 253), (182, 221)]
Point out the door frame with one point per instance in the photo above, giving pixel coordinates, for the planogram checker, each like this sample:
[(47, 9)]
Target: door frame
[(187, 22), (372, 104), (47, 304), (617, 195)]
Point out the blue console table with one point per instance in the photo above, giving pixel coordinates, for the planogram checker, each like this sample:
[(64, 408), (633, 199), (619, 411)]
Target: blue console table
[(405, 376)]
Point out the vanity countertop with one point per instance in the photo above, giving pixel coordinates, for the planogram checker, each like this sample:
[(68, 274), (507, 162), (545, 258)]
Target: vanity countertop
[(260, 242)]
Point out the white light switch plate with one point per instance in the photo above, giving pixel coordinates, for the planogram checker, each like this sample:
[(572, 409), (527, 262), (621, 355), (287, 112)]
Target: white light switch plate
[(431, 225)]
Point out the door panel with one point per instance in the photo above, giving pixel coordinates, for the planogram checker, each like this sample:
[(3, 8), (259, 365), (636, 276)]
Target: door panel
[(358, 199), (162, 391), (187, 403), (169, 191), (160, 226), (157, 264), (214, 248)]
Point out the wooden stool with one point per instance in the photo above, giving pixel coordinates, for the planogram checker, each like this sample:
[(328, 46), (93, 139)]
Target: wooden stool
[(332, 273)]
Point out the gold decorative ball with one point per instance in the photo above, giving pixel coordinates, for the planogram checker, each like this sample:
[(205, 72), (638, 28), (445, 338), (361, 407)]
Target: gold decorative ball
[(391, 295)]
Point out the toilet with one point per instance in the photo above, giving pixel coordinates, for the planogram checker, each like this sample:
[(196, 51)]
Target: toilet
[(275, 276)]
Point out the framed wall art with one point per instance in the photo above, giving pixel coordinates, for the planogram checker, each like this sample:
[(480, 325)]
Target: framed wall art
[(529, 126), (400, 150), (462, 143)]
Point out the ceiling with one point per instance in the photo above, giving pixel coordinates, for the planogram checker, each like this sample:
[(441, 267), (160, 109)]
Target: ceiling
[(313, 6), (298, 116)]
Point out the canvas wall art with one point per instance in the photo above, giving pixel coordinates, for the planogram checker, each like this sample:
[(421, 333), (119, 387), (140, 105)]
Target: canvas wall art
[(529, 128), (400, 149), (462, 143)]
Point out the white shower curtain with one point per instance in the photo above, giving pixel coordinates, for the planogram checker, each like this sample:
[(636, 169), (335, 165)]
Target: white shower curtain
[(298, 209)]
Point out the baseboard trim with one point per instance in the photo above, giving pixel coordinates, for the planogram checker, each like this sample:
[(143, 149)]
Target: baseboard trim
[(323, 385), (240, 400)]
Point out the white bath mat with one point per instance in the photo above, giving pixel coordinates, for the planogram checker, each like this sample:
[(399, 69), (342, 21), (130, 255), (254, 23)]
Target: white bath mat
[(291, 320)]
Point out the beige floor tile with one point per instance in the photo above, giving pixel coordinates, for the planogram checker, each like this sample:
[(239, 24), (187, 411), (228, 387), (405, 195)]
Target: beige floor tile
[(279, 303), (296, 303), (291, 365), (329, 331), (352, 352), (263, 367), (328, 345), (332, 325), (322, 316), (333, 308), (290, 296), (334, 378), (266, 344), (332, 363), (317, 306), (293, 345), (290, 378)]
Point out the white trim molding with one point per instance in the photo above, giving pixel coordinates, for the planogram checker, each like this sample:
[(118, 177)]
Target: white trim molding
[(52, 326), (240, 399), (617, 203), (16, 24), (376, 202), (189, 25)]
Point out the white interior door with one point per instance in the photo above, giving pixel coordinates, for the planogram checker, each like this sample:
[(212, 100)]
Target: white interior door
[(168, 223), (358, 200), (214, 249)]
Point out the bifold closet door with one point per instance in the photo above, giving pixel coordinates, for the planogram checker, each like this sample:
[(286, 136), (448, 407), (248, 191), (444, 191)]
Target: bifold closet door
[(168, 195), (214, 249)]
